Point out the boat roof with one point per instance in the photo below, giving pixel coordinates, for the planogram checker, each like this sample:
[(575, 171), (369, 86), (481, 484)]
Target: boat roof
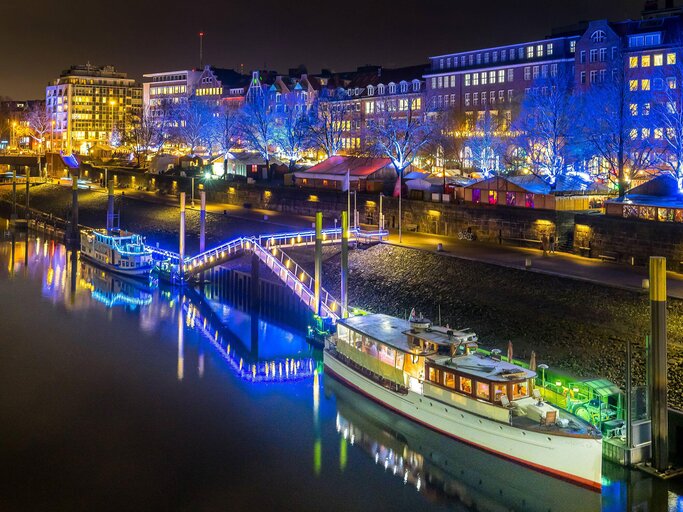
[(117, 233), (394, 331), (479, 365)]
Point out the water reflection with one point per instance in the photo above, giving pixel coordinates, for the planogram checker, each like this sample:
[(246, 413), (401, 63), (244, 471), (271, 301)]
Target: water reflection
[(269, 357), (452, 472)]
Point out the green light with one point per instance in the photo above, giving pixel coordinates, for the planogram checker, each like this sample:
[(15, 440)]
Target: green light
[(342, 454), (317, 456)]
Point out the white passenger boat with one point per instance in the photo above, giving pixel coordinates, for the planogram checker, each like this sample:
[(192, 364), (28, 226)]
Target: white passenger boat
[(436, 377), (118, 251)]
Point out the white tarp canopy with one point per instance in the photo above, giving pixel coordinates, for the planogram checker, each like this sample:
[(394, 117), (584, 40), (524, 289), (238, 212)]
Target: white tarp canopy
[(418, 184)]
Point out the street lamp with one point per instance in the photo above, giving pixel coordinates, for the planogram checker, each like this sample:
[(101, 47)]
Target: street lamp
[(52, 147), (543, 367)]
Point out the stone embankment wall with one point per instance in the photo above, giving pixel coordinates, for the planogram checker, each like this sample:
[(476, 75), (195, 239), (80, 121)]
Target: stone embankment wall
[(630, 241)]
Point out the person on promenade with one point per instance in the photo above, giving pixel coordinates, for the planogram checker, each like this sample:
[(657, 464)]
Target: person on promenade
[(552, 243), (544, 244)]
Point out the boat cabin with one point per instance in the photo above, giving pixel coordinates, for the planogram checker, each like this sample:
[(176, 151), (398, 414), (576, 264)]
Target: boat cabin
[(389, 346), (481, 377)]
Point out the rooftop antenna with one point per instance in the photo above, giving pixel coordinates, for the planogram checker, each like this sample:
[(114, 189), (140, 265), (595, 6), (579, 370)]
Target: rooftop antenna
[(201, 50)]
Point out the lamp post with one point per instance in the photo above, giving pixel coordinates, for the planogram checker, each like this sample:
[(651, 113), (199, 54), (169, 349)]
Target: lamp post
[(543, 367), (13, 137), (52, 147)]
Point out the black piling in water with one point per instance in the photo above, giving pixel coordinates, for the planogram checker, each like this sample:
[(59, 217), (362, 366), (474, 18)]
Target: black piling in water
[(72, 237), (658, 364)]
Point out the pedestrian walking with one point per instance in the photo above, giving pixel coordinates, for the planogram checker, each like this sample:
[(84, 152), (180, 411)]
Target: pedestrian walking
[(544, 244), (552, 243)]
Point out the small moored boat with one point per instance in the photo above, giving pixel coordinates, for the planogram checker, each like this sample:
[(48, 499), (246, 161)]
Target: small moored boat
[(117, 251)]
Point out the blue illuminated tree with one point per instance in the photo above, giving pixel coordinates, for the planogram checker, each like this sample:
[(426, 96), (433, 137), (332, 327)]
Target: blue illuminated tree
[(257, 126), (401, 136), (194, 125), (615, 123), (292, 134), (485, 144), (545, 126), (667, 117), (326, 122)]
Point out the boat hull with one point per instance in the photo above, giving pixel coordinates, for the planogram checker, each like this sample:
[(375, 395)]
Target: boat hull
[(578, 460), (131, 272)]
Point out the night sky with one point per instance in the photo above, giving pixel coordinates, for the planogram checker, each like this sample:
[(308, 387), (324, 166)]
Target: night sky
[(40, 38)]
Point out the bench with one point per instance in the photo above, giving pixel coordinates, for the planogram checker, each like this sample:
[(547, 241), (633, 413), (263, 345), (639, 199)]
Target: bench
[(523, 242), (584, 251), (411, 227), (608, 256)]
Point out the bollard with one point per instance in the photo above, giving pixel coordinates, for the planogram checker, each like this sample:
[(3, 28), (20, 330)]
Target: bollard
[(439, 247), (527, 263)]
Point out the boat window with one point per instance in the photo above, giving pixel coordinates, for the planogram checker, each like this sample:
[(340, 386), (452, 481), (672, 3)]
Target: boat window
[(343, 333), (433, 374), (520, 389), (465, 385), (387, 354), (498, 391), (399, 360), (483, 390), (449, 380), (369, 347)]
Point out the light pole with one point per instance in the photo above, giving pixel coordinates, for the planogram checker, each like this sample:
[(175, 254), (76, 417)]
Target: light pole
[(543, 367), (381, 219), (52, 147), (13, 137)]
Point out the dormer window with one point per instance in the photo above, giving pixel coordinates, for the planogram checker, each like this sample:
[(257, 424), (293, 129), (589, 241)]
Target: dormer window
[(404, 86), (371, 90), (380, 89), (416, 85), (392, 88), (357, 91), (598, 36)]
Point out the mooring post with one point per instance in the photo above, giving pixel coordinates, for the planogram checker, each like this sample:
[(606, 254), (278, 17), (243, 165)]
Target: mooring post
[(28, 178), (14, 193), (181, 248), (318, 260), (255, 284), (345, 265), (202, 220), (110, 205), (73, 234), (658, 387)]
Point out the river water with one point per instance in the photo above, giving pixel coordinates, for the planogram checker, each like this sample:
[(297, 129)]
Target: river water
[(119, 395)]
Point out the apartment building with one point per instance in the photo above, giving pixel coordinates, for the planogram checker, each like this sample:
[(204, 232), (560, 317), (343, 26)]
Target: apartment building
[(88, 103)]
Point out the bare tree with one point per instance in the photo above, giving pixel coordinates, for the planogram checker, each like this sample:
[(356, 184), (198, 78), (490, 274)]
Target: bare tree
[(144, 135), (257, 126), (400, 137), (485, 143), (39, 123), (545, 126), (292, 135), (326, 126), (194, 124), (226, 132), (667, 119), (612, 127)]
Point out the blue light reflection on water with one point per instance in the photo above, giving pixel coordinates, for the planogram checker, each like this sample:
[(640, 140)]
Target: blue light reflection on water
[(329, 459)]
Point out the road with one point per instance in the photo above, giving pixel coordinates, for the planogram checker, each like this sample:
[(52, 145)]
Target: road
[(558, 264)]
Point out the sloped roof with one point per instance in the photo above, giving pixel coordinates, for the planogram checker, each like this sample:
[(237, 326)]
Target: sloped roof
[(355, 166), (659, 191), (230, 78), (565, 184)]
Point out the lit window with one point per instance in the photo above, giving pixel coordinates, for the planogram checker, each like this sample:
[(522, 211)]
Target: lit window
[(511, 74), (529, 52), (539, 50), (549, 49), (572, 46), (645, 84), (634, 133), (493, 197), (483, 390), (633, 85), (645, 133), (467, 80), (484, 77), (658, 59), (501, 76), (465, 385), (492, 77), (658, 133), (633, 108), (645, 61), (520, 390), (671, 58), (449, 380), (671, 82), (475, 79)]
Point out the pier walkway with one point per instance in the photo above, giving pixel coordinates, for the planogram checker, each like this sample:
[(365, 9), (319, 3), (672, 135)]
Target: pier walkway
[(268, 249)]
